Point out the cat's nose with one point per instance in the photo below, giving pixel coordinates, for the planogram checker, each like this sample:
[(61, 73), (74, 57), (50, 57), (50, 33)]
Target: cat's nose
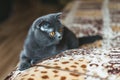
[(60, 37)]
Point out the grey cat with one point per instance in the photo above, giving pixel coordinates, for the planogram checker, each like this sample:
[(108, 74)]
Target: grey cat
[(48, 37)]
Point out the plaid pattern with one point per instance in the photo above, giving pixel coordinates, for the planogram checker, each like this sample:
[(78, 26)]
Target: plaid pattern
[(92, 17)]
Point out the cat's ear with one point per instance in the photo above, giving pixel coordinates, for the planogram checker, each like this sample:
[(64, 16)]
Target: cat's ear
[(58, 15), (43, 26)]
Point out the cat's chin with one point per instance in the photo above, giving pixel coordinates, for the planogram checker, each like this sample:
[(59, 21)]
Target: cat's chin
[(53, 43), (56, 42)]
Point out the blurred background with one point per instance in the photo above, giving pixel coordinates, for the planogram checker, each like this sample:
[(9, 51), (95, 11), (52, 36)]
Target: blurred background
[(16, 16)]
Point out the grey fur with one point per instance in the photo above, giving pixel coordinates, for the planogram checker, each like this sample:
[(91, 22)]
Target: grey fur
[(39, 45)]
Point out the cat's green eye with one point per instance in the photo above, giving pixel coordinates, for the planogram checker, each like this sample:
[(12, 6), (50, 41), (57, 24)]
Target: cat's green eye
[(52, 34)]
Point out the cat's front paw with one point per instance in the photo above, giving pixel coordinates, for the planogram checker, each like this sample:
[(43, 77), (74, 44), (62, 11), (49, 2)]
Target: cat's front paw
[(34, 61), (24, 66)]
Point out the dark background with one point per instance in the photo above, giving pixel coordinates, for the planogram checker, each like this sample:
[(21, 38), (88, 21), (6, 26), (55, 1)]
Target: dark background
[(6, 6)]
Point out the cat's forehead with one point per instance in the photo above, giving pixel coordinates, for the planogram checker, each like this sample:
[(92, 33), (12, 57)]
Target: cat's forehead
[(52, 19)]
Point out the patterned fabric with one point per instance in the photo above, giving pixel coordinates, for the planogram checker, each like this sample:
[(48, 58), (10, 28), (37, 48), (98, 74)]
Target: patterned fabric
[(89, 17)]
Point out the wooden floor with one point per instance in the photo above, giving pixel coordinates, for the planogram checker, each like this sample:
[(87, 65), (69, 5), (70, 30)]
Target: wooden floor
[(13, 32)]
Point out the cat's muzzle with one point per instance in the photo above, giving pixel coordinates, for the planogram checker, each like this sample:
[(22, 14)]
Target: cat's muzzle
[(60, 37)]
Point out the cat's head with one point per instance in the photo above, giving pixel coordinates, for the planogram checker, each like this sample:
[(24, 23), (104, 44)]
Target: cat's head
[(50, 27)]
